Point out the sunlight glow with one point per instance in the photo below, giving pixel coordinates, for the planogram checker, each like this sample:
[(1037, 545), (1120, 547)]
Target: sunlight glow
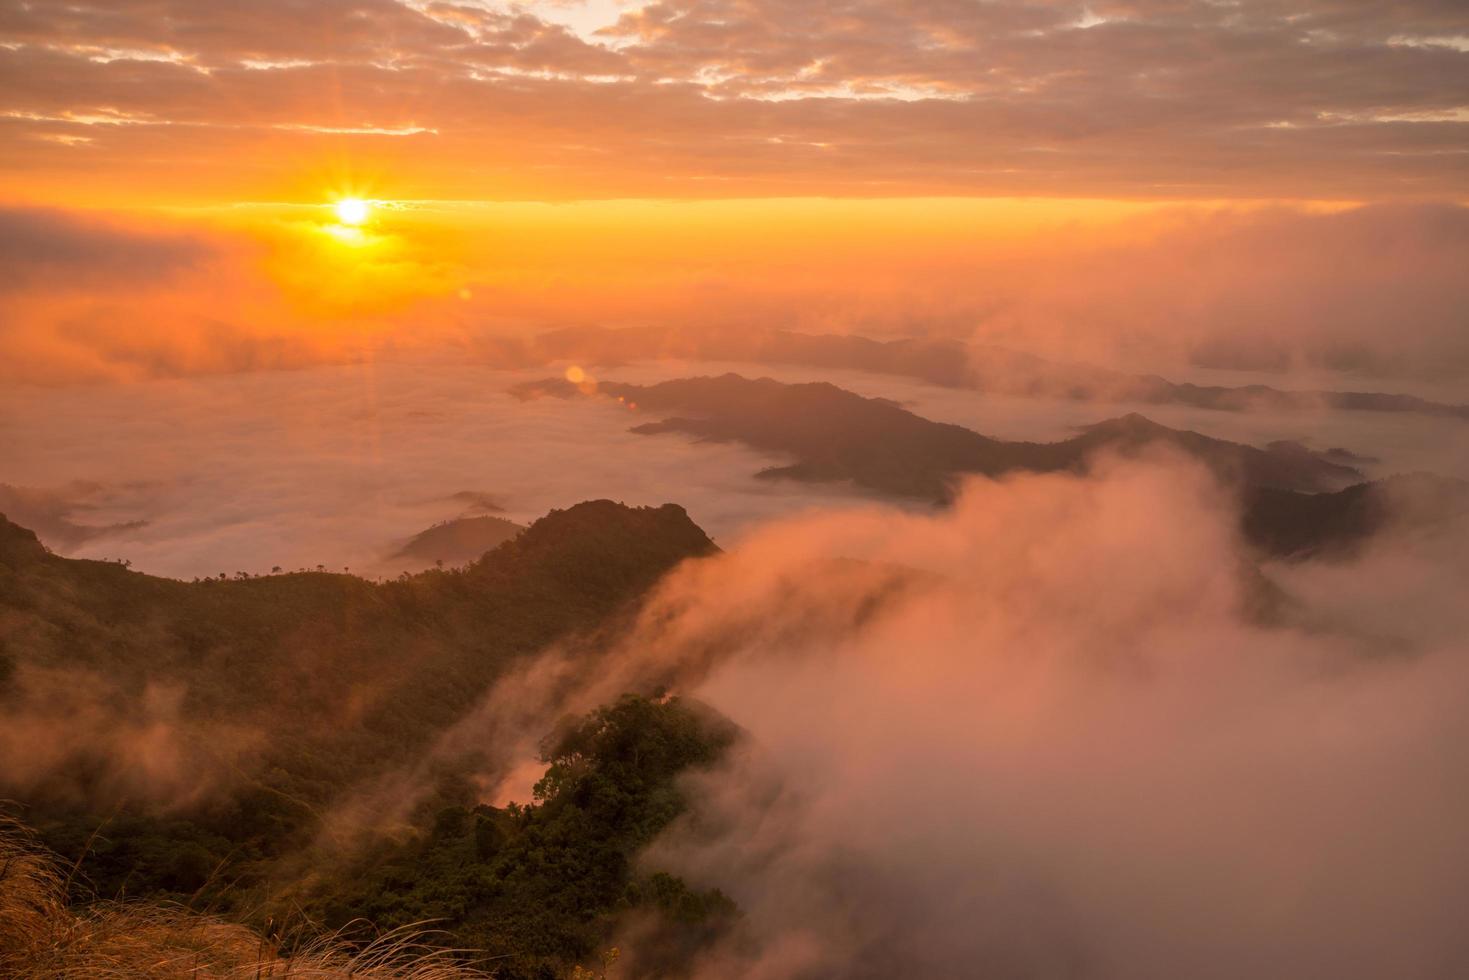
[(352, 210)]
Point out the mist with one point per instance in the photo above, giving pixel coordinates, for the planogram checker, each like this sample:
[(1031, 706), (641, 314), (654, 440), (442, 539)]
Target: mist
[(1074, 745), (340, 465)]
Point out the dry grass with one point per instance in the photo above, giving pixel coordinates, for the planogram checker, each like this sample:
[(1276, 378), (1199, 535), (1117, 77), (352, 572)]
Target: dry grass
[(44, 938)]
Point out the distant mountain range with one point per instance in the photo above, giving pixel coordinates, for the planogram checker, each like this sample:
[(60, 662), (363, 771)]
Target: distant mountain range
[(1296, 502), (951, 364), (835, 435)]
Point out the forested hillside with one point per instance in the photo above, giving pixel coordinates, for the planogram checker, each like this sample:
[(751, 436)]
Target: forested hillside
[(187, 740)]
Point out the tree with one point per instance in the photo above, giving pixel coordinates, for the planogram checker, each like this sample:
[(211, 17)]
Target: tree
[(538, 887)]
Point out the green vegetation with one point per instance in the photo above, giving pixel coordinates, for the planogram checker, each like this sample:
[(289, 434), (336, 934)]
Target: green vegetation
[(537, 884), (183, 741), (43, 936)]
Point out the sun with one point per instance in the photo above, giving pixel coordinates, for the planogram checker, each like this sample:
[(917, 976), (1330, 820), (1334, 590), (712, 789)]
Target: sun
[(352, 210)]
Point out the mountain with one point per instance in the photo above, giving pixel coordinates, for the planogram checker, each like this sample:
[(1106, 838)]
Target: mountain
[(454, 542), (308, 663), (951, 364), (1294, 525), (1295, 502), (190, 738), (835, 434)]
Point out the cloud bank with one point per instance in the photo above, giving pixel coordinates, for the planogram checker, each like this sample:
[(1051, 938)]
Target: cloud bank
[(1365, 292), (1069, 750)]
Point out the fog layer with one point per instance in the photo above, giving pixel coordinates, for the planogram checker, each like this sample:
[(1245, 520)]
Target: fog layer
[(340, 466), (1071, 747)]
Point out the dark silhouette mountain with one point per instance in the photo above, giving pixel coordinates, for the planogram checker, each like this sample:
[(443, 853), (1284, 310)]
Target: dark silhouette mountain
[(951, 364), (1284, 523), (1295, 502), (454, 542), (835, 434)]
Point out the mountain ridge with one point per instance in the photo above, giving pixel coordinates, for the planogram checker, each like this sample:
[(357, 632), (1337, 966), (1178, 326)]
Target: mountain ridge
[(310, 666), (836, 434)]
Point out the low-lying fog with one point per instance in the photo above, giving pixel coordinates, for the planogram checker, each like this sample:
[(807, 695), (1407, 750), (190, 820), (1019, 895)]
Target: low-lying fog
[(337, 465)]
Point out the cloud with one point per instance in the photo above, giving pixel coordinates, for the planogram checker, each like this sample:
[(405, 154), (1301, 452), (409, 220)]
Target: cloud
[(1065, 749), (1036, 733), (1284, 290), (98, 296), (1276, 290), (1047, 732), (1310, 98), (75, 735), (60, 249)]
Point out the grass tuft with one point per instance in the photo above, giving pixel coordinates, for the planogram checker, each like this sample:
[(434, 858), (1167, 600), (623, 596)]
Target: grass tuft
[(43, 937)]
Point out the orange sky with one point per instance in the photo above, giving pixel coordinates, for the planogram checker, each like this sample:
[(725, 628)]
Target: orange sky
[(1013, 171)]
